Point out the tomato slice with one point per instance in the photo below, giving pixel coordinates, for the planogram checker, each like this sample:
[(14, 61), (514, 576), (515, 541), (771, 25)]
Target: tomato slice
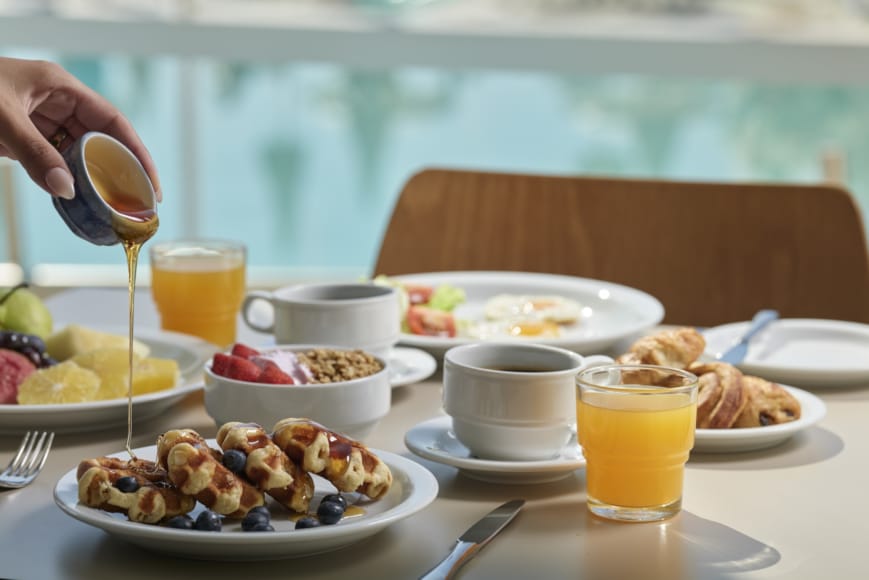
[(431, 322), (418, 294)]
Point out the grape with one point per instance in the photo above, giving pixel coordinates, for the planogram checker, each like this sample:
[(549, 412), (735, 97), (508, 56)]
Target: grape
[(28, 345)]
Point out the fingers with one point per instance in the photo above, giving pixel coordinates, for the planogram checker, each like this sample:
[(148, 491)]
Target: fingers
[(42, 162)]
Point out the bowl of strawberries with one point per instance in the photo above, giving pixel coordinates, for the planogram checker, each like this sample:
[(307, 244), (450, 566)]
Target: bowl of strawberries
[(347, 389)]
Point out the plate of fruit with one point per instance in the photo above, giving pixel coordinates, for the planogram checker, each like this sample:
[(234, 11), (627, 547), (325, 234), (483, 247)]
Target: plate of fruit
[(77, 378)]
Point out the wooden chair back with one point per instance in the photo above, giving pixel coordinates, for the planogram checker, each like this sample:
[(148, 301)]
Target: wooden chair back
[(711, 252)]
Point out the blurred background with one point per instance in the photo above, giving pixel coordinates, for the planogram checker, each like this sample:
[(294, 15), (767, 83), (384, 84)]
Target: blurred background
[(292, 125)]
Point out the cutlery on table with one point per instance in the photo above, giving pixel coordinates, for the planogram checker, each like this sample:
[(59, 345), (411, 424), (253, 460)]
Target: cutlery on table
[(736, 354), (28, 461), (473, 540)]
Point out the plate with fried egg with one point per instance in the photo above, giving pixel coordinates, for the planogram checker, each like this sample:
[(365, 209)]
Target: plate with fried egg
[(580, 314)]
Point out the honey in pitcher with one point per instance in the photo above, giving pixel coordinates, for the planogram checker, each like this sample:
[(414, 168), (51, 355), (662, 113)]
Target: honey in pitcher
[(134, 222)]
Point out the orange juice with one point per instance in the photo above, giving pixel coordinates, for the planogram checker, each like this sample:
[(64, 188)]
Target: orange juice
[(636, 437), (198, 291), (636, 455)]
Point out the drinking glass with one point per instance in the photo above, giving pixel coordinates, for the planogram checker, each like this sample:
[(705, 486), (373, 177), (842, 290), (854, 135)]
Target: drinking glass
[(636, 428), (198, 286)]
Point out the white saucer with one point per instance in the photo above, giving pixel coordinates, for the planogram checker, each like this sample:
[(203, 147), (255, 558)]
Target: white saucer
[(434, 440), (804, 352), (410, 365)]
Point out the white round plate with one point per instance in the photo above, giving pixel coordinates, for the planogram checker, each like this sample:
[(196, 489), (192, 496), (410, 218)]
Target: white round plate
[(191, 354), (413, 488), (610, 312), (813, 410), (410, 365), (434, 440), (805, 352)]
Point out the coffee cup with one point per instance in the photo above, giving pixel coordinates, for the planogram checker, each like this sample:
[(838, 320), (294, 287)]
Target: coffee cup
[(513, 401), (364, 316)]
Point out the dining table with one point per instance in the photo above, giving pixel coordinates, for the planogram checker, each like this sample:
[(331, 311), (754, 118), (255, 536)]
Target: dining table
[(796, 510)]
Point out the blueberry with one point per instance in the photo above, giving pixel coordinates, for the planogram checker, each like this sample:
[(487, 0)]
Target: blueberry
[(183, 522), (330, 512), (128, 484), (261, 527), (261, 509), (335, 498), (234, 460), (253, 519), (208, 521), (307, 522)]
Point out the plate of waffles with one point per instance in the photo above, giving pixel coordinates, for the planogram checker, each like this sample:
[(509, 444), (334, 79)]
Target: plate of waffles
[(189, 352), (413, 488)]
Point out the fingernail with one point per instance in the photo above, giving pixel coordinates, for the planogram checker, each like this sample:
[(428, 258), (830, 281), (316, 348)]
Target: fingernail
[(59, 181)]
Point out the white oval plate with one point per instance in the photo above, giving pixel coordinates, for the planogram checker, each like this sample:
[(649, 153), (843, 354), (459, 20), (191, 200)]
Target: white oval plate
[(413, 488), (610, 312), (434, 440), (410, 365), (191, 354), (805, 352), (813, 410)]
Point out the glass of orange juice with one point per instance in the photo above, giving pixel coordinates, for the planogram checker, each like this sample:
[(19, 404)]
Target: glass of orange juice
[(636, 428), (198, 286)]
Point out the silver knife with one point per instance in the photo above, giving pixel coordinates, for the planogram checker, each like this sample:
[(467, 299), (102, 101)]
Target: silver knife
[(473, 540), (736, 354)]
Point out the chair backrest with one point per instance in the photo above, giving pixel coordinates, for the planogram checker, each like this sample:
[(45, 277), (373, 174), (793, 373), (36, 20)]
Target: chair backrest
[(711, 252)]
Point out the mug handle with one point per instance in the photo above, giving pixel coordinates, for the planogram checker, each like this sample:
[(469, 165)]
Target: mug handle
[(595, 360), (246, 305)]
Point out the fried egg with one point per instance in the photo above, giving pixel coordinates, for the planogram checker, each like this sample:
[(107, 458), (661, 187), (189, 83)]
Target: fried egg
[(546, 308), (512, 329)]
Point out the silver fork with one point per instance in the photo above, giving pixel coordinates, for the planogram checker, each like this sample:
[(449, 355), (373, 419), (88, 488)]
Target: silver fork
[(28, 460)]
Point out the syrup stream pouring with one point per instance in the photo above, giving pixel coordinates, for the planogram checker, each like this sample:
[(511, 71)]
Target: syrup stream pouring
[(473, 540), (736, 354)]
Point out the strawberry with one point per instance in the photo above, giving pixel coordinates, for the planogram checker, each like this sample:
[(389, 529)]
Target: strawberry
[(244, 351), (235, 367), (273, 374)]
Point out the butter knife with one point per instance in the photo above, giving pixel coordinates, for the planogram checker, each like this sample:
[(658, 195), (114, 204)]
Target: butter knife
[(736, 354), (473, 540)]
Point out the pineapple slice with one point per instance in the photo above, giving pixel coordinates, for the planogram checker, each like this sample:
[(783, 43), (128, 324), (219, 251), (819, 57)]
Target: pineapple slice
[(113, 367), (75, 339)]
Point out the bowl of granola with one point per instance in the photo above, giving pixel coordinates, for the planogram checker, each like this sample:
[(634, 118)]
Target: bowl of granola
[(347, 389)]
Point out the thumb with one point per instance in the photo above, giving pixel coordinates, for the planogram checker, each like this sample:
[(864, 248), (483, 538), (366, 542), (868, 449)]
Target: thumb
[(39, 158)]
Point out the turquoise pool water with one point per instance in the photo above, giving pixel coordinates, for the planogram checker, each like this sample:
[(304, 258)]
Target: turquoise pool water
[(303, 162)]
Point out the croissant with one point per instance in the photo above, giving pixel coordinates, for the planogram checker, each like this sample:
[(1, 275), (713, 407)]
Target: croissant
[(675, 348)]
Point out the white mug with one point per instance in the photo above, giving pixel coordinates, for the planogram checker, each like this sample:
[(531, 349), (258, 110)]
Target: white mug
[(363, 316), (513, 401)]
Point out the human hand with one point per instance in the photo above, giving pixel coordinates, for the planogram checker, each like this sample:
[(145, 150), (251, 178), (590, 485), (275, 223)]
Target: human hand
[(44, 109)]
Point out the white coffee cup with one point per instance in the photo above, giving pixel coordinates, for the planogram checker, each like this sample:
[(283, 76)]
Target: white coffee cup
[(363, 316), (513, 401)]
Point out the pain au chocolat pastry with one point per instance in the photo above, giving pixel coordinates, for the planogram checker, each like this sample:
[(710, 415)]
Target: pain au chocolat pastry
[(267, 466), (767, 404), (675, 348), (153, 500), (197, 470), (721, 397), (347, 464)]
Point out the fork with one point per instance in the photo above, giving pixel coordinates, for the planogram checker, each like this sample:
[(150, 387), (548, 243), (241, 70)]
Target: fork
[(28, 460)]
